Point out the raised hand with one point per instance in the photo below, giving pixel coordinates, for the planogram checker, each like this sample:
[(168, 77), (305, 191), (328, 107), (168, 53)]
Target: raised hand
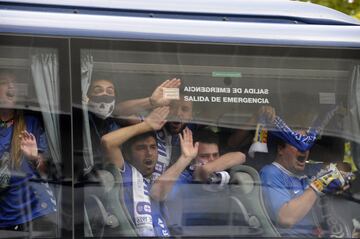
[(28, 145), (157, 118), (189, 150), (157, 98)]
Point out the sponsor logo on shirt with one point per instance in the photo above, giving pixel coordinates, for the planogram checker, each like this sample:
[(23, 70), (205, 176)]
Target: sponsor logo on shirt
[(159, 167), (143, 208), (143, 220)]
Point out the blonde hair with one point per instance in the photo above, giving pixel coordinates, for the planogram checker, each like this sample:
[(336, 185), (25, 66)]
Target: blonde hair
[(19, 126)]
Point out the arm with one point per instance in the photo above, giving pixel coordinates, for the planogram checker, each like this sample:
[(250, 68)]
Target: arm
[(113, 140), (130, 107), (156, 99), (163, 185), (224, 162), (296, 209)]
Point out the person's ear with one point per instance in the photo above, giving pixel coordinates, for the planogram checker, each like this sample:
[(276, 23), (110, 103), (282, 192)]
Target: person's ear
[(280, 149)]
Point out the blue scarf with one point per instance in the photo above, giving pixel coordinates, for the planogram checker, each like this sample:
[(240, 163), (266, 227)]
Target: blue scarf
[(299, 141)]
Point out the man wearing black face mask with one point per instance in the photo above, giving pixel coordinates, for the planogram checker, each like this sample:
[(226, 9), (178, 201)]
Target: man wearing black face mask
[(101, 103)]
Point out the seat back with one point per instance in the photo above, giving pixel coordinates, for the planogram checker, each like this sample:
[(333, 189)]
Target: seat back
[(113, 195), (105, 210), (235, 210), (208, 210), (246, 185)]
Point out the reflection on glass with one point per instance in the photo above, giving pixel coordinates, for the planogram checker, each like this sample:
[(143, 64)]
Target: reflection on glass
[(240, 145), (30, 143)]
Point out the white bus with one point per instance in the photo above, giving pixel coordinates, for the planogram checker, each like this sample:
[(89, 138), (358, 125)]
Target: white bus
[(230, 61)]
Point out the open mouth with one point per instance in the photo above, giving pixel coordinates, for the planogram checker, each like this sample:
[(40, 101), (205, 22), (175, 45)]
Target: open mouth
[(149, 162), (10, 93), (301, 159), (175, 123)]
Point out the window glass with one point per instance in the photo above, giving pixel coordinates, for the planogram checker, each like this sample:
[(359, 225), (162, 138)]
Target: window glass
[(31, 145), (248, 106)]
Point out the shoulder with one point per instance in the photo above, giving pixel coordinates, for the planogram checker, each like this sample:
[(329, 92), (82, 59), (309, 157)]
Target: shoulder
[(31, 119), (126, 173), (32, 122), (269, 170), (271, 174), (186, 176)]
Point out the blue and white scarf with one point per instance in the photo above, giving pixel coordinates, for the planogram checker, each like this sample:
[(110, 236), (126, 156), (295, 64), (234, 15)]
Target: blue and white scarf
[(284, 132), (298, 140), (142, 205), (164, 145), (147, 216)]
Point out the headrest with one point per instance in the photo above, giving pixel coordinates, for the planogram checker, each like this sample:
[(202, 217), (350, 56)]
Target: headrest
[(242, 181), (106, 179)]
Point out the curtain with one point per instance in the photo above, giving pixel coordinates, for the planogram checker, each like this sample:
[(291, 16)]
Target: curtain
[(45, 72), (87, 65)]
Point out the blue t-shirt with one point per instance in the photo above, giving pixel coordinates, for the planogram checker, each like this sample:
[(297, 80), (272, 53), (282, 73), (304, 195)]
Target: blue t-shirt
[(279, 187), (157, 208), (23, 197), (98, 128)]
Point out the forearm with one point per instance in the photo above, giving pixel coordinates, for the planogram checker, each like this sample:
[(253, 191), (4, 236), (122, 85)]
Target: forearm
[(131, 107), (296, 209), (225, 162), (163, 185), (40, 164), (118, 137)]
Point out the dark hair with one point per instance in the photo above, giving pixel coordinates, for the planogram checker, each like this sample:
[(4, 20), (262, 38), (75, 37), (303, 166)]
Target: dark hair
[(206, 136), (106, 76), (126, 147), (274, 143)]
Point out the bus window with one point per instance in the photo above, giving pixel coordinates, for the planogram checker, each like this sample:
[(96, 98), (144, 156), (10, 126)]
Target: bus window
[(31, 142), (228, 90)]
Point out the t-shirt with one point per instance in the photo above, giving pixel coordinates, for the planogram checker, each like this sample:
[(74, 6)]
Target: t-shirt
[(23, 197), (279, 187), (157, 208), (98, 128)]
